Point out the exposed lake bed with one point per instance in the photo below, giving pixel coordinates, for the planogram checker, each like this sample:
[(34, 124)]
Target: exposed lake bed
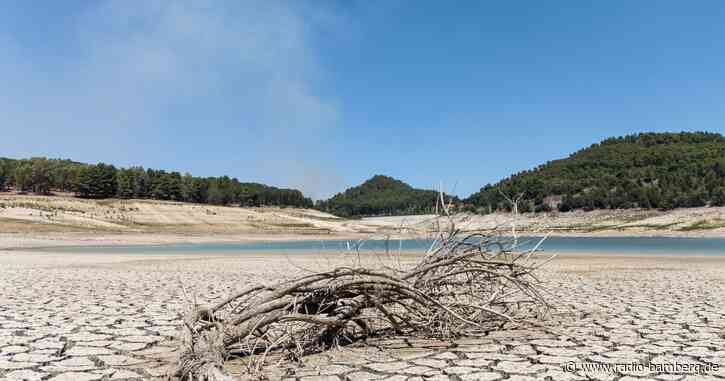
[(114, 316)]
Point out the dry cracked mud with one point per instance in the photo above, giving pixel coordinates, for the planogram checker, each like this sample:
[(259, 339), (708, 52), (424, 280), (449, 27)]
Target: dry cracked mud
[(114, 317)]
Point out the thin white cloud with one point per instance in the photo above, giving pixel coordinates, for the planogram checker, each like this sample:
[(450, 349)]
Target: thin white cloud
[(243, 69)]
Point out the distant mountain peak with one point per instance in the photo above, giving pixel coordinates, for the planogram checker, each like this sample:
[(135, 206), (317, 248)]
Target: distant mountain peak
[(380, 182), (381, 195)]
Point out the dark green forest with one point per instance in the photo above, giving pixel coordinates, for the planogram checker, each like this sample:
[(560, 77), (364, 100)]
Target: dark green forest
[(380, 196), (44, 176), (647, 170)]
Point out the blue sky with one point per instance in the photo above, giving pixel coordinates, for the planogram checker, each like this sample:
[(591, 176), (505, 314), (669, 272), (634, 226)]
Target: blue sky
[(322, 95)]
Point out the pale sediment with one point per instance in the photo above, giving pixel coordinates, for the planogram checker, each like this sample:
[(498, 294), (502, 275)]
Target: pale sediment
[(114, 317), (33, 221)]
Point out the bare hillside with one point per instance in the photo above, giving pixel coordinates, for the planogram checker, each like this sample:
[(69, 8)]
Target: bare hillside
[(33, 213), (63, 220), (59, 220), (703, 221)]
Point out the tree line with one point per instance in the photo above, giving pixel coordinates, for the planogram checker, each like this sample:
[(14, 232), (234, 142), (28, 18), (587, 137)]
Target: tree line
[(647, 170), (44, 176)]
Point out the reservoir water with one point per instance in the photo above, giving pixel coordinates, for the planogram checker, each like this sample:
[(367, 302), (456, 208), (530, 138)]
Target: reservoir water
[(595, 245)]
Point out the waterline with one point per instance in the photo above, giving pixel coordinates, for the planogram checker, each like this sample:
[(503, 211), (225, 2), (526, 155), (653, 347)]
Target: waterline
[(595, 245)]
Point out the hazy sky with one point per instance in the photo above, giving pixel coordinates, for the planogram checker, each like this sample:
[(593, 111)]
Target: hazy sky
[(321, 95)]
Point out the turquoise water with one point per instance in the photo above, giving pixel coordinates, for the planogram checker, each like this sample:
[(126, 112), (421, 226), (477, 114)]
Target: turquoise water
[(603, 245)]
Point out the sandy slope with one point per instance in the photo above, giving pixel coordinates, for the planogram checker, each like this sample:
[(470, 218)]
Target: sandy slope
[(154, 216), (27, 221), (681, 222)]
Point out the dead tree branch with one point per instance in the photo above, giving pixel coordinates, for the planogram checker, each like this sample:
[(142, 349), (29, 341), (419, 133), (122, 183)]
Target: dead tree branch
[(465, 283)]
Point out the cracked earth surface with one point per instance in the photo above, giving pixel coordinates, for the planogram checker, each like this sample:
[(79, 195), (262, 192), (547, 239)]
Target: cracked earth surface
[(114, 317)]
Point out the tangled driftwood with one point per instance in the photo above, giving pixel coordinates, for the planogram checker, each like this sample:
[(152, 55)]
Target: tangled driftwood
[(464, 283)]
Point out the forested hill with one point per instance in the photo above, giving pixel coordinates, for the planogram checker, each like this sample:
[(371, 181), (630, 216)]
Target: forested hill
[(43, 176), (648, 170), (380, 195)]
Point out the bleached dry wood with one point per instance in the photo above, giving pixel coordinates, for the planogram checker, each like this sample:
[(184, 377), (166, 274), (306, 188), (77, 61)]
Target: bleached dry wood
[(465, 283)]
